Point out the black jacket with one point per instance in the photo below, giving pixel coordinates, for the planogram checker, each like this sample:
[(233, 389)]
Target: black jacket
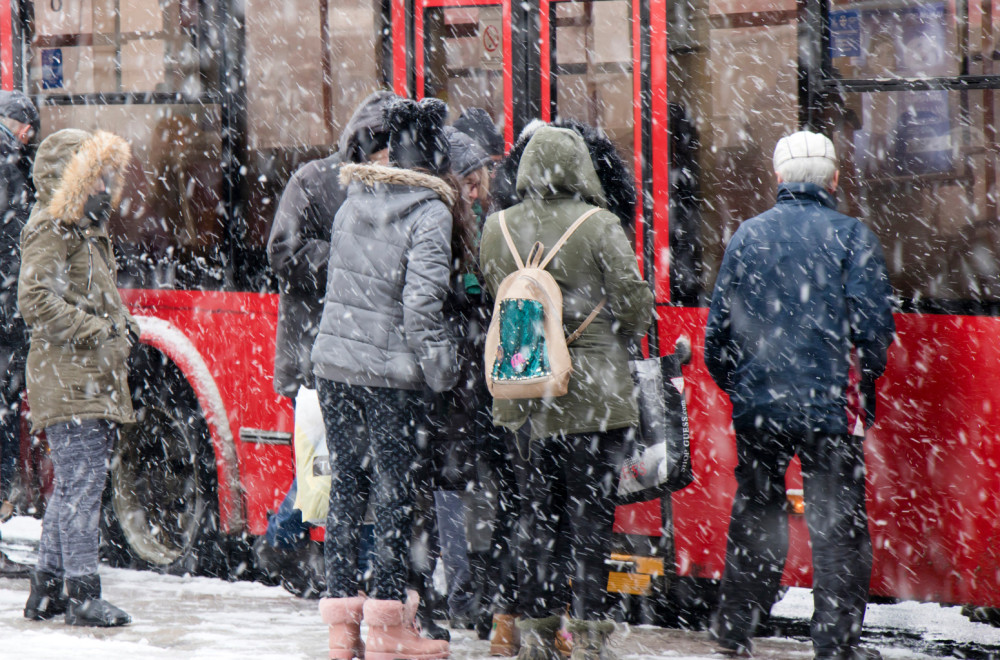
[(16, 197), (299, 245), (800, 285)]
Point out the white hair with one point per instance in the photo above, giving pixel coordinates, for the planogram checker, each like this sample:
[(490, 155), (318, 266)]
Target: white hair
[(806, 157)]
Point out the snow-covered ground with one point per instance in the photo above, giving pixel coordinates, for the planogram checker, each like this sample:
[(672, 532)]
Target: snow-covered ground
[(193, 617)]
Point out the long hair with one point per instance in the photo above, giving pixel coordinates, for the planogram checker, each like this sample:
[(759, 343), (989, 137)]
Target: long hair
[(464, 250)]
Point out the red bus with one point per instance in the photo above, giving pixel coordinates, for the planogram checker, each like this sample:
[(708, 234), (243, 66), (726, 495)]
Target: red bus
[(222, 100)]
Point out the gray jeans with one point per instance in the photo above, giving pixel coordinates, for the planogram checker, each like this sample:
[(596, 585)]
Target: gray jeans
[(71, 526)]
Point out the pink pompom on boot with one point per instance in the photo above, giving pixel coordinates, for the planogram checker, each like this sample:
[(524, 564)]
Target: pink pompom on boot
[(343, 615), (391, 636)]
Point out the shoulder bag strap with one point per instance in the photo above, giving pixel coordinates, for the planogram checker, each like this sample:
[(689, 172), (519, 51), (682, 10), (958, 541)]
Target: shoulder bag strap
[(583, 326), (565, 237), (510, 242)]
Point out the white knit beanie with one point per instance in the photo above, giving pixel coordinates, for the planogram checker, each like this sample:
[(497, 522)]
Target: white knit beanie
[(803, 144)]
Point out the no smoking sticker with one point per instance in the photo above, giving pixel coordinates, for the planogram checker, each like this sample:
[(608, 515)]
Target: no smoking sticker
[(491, 39)]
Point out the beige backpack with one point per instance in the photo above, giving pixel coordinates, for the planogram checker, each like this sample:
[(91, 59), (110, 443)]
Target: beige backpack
[(527, 354)]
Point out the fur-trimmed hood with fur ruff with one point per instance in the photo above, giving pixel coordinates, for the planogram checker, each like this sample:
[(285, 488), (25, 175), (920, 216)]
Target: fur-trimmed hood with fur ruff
[(70, 162), (369, 175)]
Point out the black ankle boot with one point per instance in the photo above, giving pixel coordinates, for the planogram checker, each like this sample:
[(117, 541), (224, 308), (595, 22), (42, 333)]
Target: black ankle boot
[(87, 608), (429, 628), (46, 599)]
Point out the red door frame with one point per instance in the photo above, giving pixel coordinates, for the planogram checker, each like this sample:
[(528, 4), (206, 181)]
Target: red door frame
[(657, 137), (399, 51), (6, 46)]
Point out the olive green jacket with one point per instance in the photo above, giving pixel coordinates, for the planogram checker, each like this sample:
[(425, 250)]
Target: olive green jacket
[(67, 293), (557, 182)]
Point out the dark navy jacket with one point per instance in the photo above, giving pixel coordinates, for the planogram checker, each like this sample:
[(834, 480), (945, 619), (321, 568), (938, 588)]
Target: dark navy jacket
[(799, 286), (16, 197)]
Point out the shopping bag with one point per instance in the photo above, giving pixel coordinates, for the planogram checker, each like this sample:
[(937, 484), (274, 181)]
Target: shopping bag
[(312, 458), (657, 457)]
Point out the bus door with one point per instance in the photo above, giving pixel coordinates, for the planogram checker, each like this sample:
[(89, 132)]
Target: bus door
[(462, 55)]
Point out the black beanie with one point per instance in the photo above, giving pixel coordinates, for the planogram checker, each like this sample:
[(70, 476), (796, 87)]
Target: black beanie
[(416, 139), (476, 123)]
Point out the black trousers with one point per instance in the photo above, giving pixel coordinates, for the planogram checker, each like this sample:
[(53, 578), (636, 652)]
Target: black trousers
[(11, 384), (372, 436), (498, 566), (567, 511), (833, 474)]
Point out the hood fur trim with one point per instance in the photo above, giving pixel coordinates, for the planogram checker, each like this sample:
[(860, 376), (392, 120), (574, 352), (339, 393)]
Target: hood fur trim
[(369, 175), (102, 151)]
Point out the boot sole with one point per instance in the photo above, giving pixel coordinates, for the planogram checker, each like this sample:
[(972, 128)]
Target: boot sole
[(376, 655), (504, 651), (81, 623), (346, 654)]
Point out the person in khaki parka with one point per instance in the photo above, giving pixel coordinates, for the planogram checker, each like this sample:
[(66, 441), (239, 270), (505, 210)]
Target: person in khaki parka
[(576, 440), (77, 370)]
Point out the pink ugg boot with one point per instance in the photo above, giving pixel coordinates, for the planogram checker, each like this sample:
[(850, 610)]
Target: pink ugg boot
[(410, 610), (390, 636), (343, 615)]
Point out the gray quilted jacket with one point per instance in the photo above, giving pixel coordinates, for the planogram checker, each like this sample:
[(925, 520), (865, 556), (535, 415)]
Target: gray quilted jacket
[(388, 274)]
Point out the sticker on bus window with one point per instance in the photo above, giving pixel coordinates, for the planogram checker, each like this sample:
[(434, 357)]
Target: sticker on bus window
[(845, 34), (52, 68)]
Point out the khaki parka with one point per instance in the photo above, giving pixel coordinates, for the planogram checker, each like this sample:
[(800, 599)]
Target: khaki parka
[(67, 293), (557, 182)]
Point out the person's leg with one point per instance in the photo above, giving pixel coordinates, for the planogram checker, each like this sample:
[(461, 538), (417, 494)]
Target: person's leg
[(758, 537), (502, 578), (347, 440), (393, 423), (451, 520), (541, 575), (85, 450), (50, 543), (833, 471), (46, 598), (591, 471), (10, 426), (393, 417)]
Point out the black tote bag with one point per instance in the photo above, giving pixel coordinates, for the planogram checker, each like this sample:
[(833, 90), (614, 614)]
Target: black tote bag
[(657, 458)]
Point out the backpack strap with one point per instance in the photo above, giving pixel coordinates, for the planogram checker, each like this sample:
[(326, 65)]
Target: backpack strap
[(583, 326), (510, 242), (565, 237)]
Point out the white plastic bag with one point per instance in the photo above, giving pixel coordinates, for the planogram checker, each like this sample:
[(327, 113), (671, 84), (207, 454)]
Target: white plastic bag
[(312, 458)]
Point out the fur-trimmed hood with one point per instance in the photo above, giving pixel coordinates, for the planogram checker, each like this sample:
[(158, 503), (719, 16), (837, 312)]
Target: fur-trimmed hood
[(369, 175), (68, 165)]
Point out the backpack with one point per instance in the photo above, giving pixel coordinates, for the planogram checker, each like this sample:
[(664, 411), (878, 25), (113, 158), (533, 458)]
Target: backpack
[(527, 354)]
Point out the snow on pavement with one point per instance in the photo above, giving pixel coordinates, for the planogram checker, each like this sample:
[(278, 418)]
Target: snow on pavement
[(200, 618)]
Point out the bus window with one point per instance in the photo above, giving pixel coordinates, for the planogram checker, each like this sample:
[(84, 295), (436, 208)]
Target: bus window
[(463, 58), (138, 69), (592, 68), (308, 64), (919, 166), (732, 73), (105, 46)]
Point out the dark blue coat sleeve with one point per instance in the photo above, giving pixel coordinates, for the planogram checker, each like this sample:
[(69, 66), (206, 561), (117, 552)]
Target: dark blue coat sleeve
[(869, 302), (719, 349)]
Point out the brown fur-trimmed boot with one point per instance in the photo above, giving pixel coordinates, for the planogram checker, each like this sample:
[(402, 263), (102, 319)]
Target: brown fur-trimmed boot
[(343, 615), (505, 639)]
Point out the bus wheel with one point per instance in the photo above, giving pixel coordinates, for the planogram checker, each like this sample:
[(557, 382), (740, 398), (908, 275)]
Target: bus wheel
[(160, 506)]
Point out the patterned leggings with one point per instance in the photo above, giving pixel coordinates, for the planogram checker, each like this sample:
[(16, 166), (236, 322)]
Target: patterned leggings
[(71, 527), (372, 436)]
